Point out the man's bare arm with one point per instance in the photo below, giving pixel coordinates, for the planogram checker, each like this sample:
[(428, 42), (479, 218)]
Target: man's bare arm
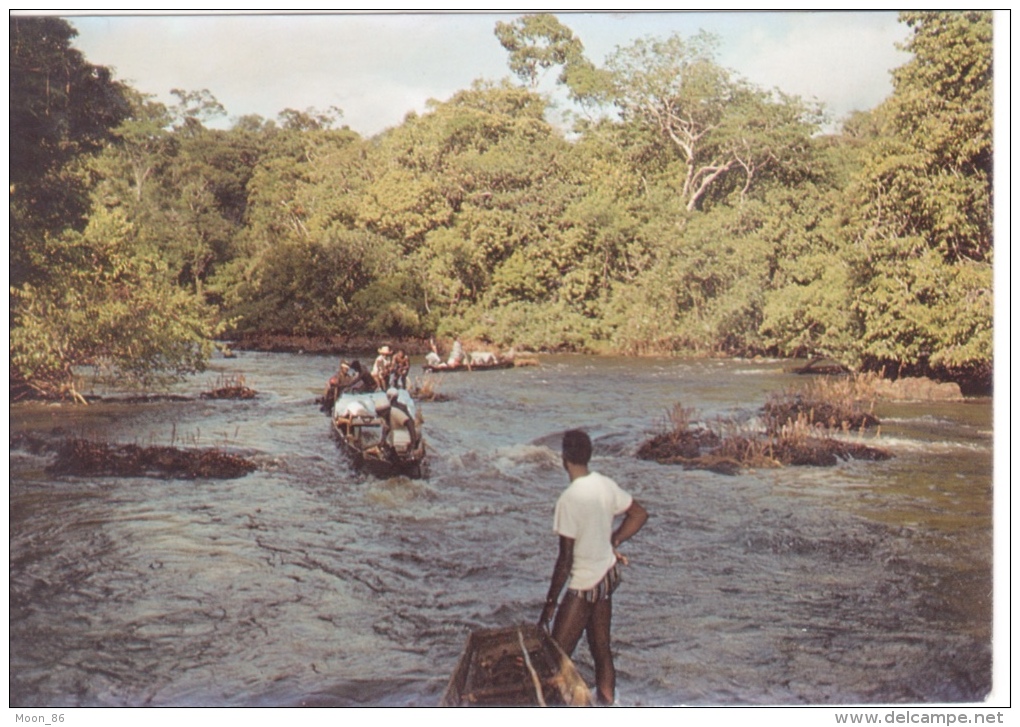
[(633, 520), (561, 571)]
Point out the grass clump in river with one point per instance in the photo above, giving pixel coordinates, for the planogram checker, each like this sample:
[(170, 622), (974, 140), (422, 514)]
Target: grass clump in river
[(799, 429), (426, 388), (842, 403), (229, 387)]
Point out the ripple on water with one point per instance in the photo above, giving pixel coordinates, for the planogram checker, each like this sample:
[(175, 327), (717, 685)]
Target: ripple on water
[(306, 583)]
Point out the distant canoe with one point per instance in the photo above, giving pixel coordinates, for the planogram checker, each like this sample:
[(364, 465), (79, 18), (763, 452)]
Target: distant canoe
[(516, 666), (473, 368)]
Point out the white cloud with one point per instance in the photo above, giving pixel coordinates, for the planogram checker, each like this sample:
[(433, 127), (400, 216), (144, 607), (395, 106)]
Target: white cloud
[(378, 67), (843, 59)]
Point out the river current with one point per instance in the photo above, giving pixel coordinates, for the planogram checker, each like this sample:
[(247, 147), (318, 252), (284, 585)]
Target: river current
[(306, 583)]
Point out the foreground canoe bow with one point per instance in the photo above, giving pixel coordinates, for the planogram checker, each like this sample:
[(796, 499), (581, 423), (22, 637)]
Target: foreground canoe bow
[(515, 666)]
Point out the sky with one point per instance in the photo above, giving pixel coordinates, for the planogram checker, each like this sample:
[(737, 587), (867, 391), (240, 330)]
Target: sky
[(378, 67)]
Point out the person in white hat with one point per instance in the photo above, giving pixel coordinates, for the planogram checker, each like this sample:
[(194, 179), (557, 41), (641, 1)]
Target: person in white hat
[(382, 368)]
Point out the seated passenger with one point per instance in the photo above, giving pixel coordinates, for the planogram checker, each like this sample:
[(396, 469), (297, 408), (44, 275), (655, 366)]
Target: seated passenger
[(456, 360), (432, 358)]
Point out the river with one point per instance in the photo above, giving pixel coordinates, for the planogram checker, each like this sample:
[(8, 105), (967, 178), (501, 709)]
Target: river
[(307, 584)]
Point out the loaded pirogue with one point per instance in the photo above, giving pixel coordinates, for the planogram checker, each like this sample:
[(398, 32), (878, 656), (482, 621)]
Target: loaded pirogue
[(380, 432), (459, 360), (472, 367)]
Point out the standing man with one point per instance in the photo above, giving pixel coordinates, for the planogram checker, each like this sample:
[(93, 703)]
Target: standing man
[(588, 558), (382, 368)]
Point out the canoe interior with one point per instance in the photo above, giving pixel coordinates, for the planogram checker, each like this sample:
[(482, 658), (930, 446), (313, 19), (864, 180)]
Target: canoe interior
[(493, 671)]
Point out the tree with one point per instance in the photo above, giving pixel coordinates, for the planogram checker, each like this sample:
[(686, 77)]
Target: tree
[(463, 187), (538, 42), (310, 119), (807, 303), (110, 308), (919, 215), (182, 185), (61, 108), (719, 126), (144, 142), (86, 291), (942, 110)]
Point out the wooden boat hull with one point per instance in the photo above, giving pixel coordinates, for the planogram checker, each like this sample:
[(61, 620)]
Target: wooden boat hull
[(515, 666), (381, 462)]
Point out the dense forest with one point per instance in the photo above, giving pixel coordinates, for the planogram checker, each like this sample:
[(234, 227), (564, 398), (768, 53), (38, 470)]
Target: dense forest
[(690, 213)]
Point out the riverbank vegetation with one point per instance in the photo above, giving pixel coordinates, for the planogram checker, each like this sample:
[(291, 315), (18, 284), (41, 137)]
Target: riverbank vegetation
[(691, 213)]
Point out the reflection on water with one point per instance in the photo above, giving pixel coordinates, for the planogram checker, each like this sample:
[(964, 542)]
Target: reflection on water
[(305, 583)]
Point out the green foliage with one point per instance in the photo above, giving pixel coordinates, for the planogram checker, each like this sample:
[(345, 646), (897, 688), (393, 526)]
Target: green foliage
[(111, 308), (704, 294), (534, 326), (805, 311), (61, 109), (404, 206), (304, 286), (526, 276), (943, 97), (704, 216), (386, 308), (452, 269), (727, 133), (85, 294), (537, 42), (920, 224)]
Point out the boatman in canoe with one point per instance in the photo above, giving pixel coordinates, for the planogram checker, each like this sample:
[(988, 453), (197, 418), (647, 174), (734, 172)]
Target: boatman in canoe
[(589, 563), (456, 360), (396, 417)]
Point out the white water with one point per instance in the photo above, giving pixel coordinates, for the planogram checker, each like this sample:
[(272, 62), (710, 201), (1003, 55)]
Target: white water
[(306, 584)]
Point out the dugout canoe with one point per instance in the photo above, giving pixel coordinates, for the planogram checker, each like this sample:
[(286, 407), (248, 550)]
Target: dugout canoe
[(473, 368), (357, 429), (515, 666)]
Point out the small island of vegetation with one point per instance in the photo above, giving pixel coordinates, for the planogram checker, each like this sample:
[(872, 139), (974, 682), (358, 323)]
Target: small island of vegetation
[(813, 426)]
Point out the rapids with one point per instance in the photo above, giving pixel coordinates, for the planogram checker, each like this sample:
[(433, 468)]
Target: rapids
[(305, 583)]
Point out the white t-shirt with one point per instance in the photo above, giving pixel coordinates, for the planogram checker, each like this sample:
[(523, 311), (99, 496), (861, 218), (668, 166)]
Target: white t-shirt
[(585, 512)]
